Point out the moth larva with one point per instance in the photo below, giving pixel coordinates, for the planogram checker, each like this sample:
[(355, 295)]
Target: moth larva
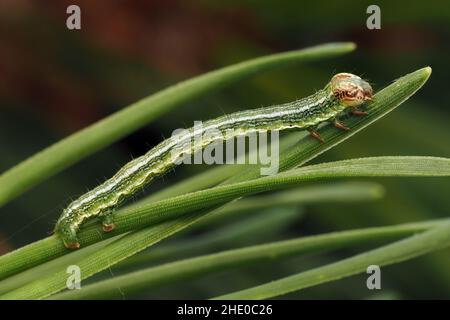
[(344, 92)]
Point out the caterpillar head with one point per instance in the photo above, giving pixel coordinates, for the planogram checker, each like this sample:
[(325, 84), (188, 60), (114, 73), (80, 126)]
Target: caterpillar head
[(350, 89)]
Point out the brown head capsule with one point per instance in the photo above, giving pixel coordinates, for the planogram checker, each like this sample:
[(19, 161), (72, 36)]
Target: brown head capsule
[(351, 89)]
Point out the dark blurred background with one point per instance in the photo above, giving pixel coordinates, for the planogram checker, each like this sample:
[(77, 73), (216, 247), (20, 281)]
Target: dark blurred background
[(55, 81)]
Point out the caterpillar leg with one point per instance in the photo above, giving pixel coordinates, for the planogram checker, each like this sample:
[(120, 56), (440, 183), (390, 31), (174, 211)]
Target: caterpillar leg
[(340, 125), (108, 222), (357, 112), (313, 133), (68, 235)]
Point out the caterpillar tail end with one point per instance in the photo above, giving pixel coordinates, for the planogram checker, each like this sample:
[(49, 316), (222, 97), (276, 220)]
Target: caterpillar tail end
[(72, 245), (68, 235), (108, 224), (70, 242), (108, 227)]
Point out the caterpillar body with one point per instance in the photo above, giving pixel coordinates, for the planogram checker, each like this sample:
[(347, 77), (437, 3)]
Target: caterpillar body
[(345, 91)]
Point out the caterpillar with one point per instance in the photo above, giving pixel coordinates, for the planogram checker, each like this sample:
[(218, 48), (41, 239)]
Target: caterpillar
[(345, 92)]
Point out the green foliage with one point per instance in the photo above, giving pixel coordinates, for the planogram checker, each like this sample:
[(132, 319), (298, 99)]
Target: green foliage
[(429, 241), (38, 270), (199, 266)]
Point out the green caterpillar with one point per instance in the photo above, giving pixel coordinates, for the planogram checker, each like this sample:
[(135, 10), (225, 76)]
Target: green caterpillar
[(345, 91)]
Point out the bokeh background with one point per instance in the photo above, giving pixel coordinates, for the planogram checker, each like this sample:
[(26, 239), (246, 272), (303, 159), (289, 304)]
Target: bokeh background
[(54, 81)]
